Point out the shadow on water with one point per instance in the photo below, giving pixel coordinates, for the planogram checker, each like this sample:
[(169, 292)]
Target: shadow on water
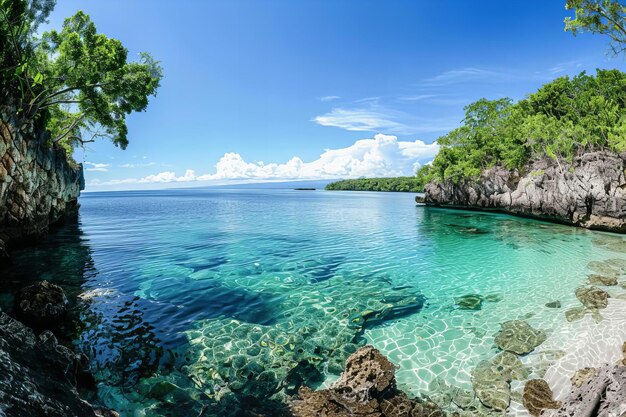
[(127, 337), (114, 334)]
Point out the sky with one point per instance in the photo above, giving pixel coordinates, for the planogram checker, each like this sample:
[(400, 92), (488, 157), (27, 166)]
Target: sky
[(318, 89)]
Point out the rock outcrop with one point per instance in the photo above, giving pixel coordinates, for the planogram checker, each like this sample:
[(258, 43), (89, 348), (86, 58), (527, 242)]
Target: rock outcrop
[(38, 376), (588, 192), (39, 187), (41, 304), (600, 394), (367, 388)]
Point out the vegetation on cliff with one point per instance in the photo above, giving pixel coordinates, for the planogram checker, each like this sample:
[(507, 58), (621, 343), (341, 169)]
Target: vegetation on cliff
[(77, 83), (404, 184), (564, 118)]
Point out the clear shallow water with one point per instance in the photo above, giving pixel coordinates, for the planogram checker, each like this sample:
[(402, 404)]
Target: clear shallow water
[(225, 293)]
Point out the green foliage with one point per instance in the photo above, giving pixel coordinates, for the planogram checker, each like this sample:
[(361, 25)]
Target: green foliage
[(78, 81), (564, 118), (606, 17), (401, 184)]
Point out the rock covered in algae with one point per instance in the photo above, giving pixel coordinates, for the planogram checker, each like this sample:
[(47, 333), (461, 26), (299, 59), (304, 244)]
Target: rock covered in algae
[(538, 396), (592, 297), (595, 279), (469, 302), (491, 379), (41, 304), (367, 388), (519, 337)]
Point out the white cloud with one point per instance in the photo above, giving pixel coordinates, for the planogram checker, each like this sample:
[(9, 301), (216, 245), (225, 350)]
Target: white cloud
[(381, 156), (464, 75), (98, 167), (379, 118), (359, 120), (328, 98)]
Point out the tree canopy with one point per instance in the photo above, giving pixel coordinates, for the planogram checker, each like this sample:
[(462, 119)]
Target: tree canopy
[(606, 17), (564, 118), (402, 184), (79, 82)]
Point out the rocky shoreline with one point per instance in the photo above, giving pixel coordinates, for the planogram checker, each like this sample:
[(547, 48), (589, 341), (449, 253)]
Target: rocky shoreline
[(39, 187), (40, 377), (588, 192)]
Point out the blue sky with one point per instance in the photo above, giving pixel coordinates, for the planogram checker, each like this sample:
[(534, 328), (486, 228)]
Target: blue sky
[(260, 89)]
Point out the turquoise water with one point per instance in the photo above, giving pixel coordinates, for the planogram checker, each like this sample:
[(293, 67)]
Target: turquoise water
[(224, 298)]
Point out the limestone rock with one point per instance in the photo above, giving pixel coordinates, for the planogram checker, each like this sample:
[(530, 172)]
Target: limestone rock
[(538, 396), (367, 388), (602, 395), (585, 192), (41, 303), (519, 337), (592, 297)]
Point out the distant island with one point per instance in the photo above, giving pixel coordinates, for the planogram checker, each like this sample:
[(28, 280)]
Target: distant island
[(305, 189), (392, 184)]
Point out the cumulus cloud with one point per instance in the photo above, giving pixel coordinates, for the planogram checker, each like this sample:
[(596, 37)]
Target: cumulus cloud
[(381, 156), (98, 167)]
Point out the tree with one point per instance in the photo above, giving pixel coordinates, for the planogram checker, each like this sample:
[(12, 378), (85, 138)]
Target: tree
[(606, 17), (78, 81)]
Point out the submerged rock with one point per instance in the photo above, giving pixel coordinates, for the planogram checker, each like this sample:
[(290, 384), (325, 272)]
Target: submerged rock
[(617, 263), (575, 314), (538, 396), (367, 388), (519, 337), (602, 268), (469, 302), (592, 297), (554, 304), (604, 280), (491, 379), (41, 304)]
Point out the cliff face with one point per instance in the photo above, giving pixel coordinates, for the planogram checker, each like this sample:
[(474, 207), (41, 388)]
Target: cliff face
[(589, 192), (38, 186)]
